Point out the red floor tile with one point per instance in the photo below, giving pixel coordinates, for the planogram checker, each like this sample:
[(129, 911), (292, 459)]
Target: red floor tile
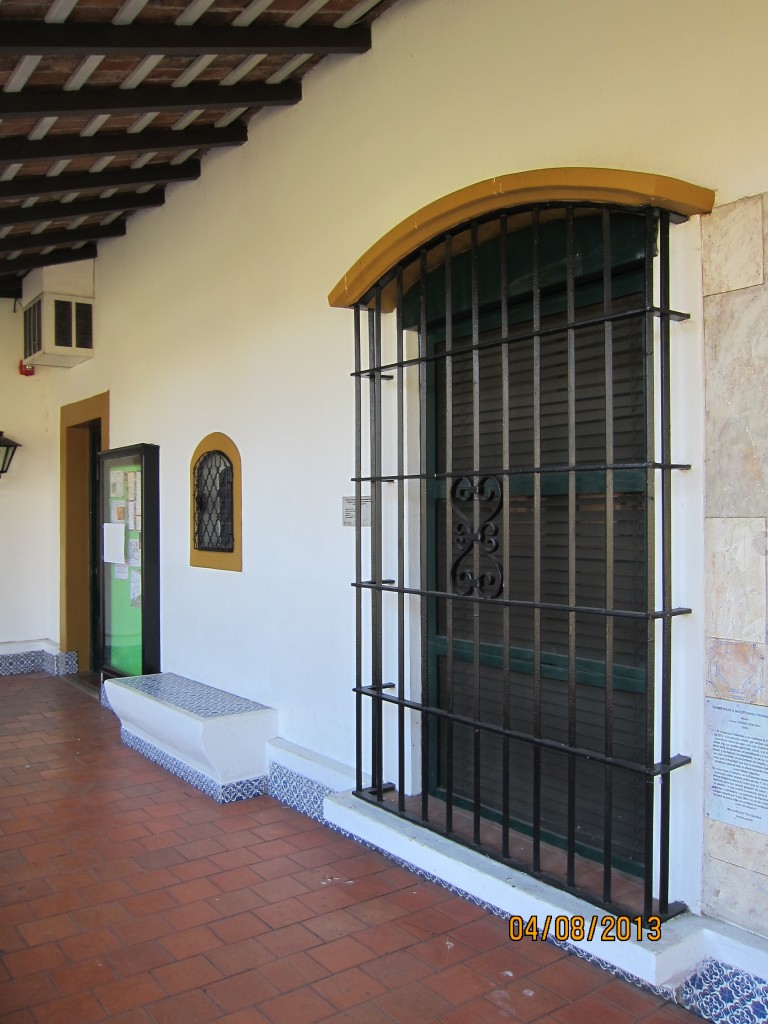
[(348, 988), (589, 1009), (82, 1008), (459, 984), (302, 1007)]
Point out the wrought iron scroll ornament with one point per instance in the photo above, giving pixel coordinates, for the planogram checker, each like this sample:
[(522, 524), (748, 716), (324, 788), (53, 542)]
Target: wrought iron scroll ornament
[(490, 581)]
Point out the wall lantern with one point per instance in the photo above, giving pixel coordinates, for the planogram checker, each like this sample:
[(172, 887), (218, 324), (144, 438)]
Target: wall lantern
[(7, 451)]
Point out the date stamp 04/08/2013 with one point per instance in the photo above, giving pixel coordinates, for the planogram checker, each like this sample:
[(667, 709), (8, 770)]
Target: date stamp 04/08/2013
[(574, 929)]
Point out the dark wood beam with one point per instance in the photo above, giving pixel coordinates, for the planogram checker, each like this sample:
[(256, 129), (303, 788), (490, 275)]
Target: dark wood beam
[(21, 187), (37, 103), (10, 288), (124, 201), (24, 263), (12, 243), (62, 147), (79, 40)]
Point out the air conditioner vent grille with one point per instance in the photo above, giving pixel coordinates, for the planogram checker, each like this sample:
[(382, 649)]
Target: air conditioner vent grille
[(83, 325), (33, 339), (62, 327)]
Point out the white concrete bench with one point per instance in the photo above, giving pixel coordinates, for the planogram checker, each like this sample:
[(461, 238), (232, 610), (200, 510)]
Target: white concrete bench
[(212, 739)]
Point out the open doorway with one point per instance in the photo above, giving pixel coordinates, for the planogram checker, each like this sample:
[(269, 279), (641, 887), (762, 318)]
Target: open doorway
[(84, 432)]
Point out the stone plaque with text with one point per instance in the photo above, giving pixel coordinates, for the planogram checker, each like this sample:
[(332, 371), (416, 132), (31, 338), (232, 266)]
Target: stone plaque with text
[(737, 764)]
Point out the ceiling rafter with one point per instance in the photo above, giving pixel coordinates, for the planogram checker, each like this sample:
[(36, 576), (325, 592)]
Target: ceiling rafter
[(127, 177), (37, 103), (25, 263), (13, 243), (68, 147), (123, 202), (84, 39)]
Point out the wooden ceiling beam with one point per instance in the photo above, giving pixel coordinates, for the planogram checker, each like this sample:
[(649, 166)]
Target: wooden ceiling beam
[(12, 243), (24, 186), (82, 39), (69, 147), (24, 263), (37, 103), (124, 202)]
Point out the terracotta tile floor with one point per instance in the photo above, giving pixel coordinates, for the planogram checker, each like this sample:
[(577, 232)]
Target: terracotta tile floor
[(128, 896)]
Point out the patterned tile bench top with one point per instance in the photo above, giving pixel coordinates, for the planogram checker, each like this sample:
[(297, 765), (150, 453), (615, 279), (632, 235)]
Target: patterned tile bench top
[(188, 695)]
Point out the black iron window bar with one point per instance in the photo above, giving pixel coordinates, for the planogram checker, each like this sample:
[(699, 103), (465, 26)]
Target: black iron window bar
[(477, 572), (213, 504)]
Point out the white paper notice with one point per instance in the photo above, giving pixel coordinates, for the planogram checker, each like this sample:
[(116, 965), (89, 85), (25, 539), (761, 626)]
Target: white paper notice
[(134, 551), (120, 572), (114, 543), (135, 587), (737, 764)]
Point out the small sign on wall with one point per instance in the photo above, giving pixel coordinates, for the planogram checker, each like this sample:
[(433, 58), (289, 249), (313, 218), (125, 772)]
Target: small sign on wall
[(348, 511), (737, 764)]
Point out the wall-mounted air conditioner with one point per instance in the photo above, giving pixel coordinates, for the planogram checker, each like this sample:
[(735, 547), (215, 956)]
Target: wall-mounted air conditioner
[(58, 314), (58, 330)]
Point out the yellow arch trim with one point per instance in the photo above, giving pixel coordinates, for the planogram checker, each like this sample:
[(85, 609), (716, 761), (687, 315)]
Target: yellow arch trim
[(552, 184), (232, 560)]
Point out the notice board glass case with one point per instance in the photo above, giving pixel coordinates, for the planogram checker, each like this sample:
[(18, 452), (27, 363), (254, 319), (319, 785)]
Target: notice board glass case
[(130, 560)]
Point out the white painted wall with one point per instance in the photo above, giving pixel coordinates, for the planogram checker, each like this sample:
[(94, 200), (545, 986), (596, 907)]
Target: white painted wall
[(211, 315), (29, 497)]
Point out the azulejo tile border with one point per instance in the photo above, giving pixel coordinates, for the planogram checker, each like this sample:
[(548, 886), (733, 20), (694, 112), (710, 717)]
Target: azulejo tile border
[(222, 793), (189, 695), (297, 791), (725, 995), (62, 664)]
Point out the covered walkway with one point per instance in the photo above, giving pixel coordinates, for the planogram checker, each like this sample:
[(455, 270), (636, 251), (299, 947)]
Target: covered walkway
[(128, 896)]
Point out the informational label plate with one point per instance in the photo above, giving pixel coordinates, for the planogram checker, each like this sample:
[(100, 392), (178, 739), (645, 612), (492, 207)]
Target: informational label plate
[(737, 764)]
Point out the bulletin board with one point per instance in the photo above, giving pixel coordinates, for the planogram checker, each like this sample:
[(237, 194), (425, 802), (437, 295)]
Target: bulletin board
[(130, 571)]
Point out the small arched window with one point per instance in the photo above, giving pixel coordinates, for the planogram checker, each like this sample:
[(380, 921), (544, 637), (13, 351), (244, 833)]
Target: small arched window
[(215, 514), (213, 503)]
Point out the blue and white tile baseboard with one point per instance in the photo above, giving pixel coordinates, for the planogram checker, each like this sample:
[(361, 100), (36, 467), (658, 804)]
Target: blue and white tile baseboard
[(38, 657), (221, 792), (297, 791), (725, 995)]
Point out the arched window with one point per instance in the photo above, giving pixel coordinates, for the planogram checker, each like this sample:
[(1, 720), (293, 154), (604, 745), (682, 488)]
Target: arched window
[(216, 504), (518, 401)]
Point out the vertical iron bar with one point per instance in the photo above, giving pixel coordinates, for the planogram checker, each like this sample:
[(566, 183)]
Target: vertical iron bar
[(536, 308), (650, 554), (476, 612), (424, 536), (400, 546), (449, 527), (358, 557), (374, 341), (609, 560), (571, 335), (666, 556), (505, 460)]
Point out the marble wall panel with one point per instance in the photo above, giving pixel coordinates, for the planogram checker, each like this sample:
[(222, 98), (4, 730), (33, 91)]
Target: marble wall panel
[(736, 362), (736, 579), (732, 246), (735, 894), (734, 845), (736, 670)]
